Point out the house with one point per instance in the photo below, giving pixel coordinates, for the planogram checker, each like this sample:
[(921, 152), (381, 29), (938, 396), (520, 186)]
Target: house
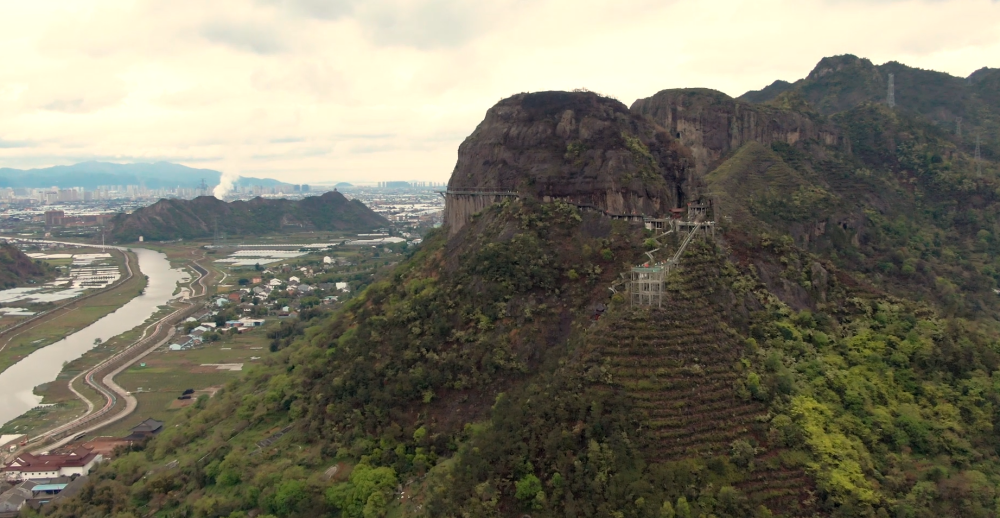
[(234, 296), (275, 282), (252, 322), (258, 290), (255, 280), (305, 288), (342, 286), (181, 345), (145, 429), (234, 323), (330, 299), (14, 498), (44, 490), (327, 260), (293, 280), (27, 466)]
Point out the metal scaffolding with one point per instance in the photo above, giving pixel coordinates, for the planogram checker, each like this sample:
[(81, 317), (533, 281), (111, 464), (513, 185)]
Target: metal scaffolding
[(648, 284)]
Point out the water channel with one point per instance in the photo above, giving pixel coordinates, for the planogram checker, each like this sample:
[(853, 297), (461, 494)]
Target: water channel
[(44, 365)]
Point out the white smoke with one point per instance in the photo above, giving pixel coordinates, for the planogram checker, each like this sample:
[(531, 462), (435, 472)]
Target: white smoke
[(226, 184)]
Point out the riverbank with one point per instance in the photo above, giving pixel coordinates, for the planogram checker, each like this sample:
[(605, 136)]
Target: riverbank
[(77, 314), (45, 364)]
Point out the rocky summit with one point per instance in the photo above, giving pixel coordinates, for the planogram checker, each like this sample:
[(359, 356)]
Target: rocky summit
[(201, 217)]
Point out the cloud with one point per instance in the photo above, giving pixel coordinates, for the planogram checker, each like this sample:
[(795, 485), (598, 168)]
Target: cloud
[(70, 92), (322, 9), (250, 37), (11, 144), (426, 24), (315, 90)]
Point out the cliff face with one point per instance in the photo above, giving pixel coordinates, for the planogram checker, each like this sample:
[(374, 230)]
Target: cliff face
[(711, 124), (574, 146)]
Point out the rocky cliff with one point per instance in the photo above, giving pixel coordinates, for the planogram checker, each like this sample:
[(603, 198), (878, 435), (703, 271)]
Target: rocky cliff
[(711, 123), (575, 146)]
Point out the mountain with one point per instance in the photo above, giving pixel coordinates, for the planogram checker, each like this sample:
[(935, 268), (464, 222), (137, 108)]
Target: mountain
[(965, 107), (17, 269), (90, 175), (830, 348), (198, 218), (597, 154)]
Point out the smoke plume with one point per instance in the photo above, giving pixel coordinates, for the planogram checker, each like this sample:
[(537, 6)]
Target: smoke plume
[(225, 186)]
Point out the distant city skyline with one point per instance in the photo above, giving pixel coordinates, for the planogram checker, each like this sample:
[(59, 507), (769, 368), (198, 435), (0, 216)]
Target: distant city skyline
[(362, 92)]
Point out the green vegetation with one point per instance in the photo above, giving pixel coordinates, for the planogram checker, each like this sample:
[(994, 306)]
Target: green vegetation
[(72, 317), (835, 353), (199, 218), (17, 269)]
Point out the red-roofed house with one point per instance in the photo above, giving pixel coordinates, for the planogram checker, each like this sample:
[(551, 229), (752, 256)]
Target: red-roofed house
[(30, 467)]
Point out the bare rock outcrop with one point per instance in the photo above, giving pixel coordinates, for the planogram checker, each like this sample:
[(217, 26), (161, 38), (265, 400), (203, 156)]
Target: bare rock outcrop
[(712, 124), (573, 146)]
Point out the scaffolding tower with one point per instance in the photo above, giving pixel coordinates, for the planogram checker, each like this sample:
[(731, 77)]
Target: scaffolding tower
[(648, 284)]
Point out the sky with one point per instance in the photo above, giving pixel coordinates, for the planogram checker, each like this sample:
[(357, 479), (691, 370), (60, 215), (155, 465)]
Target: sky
[(313, 91)]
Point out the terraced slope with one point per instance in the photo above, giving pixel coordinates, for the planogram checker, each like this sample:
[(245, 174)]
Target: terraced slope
[(681, 365)]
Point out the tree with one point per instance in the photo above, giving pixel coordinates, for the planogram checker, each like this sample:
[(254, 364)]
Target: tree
[(683, 508), (527, 489)]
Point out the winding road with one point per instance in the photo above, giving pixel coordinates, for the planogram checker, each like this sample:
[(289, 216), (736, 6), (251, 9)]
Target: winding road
[(113, 393)]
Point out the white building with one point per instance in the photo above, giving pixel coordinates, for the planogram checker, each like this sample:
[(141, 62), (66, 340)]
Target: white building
[(32, 467)]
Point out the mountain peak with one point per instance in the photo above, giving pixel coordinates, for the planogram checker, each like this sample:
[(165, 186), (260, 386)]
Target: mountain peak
[(832, 64)]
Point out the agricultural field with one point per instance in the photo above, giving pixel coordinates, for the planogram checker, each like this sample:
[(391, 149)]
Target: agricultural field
[(59, 404), (164, 375), (74, 316)]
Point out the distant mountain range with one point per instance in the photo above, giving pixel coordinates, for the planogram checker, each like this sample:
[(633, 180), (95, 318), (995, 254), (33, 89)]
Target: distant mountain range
[(191, 219), (90, 175)]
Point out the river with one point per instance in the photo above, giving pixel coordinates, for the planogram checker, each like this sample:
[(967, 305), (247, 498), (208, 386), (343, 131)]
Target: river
[(44, 365)]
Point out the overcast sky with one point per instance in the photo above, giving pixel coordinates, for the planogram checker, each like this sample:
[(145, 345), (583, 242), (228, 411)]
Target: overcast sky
[(352, 90)]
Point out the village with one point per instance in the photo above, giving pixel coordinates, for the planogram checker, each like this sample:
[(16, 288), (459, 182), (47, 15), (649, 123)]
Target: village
[(250, 309)]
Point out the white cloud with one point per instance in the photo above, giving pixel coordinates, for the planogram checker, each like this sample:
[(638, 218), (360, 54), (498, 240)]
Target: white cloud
[(319, 90)]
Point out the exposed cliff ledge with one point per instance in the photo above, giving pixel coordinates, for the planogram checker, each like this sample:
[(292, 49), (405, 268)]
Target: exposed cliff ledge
[(712, 124), (575, 146)]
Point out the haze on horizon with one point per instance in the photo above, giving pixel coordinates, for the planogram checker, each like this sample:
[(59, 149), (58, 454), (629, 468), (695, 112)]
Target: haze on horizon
[(319, 91)]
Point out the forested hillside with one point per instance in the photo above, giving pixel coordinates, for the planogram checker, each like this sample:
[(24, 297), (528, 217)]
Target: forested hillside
[(202, 217), (833, 350), (17, 269)]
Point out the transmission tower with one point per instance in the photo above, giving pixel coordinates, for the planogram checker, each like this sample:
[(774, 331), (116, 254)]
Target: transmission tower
[(979, 159), (891, 99)]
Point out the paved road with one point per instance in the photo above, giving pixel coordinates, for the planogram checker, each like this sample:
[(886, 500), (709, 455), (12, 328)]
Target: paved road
[(111, 391)]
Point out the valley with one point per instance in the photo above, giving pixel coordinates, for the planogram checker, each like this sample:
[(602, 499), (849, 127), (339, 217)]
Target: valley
[(783, 304)]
